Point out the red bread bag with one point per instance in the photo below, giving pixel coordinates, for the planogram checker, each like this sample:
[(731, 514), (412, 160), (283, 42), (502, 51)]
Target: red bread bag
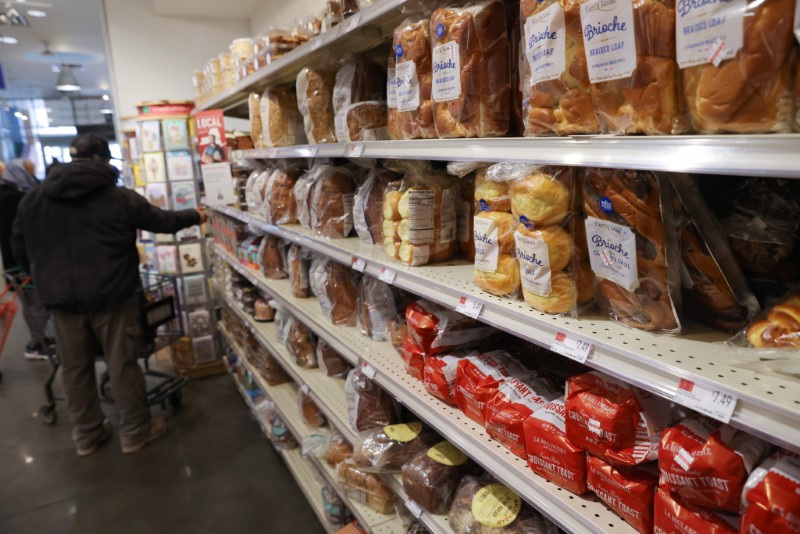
[(513, 403), (613, 420), (439, 376), (478, 379), (673, 515), (771, 497), (628, 491), (413, 358), (436, 329), (707, 463), (550, 453)]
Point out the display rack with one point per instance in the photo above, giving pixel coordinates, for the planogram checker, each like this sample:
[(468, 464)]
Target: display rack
[(768, 406), (577, 514)]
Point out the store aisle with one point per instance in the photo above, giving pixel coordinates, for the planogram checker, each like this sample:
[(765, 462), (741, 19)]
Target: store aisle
[(213, 471)]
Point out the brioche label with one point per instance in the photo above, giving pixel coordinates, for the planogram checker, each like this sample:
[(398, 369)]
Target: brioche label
[(391, 88), (701, 26), (447, 454), (495, 506), (421, 216), (406, 86), (612, 252), (403, 432), (544, 43), (534, 264), (487, 251), (446, 72), (609, 39)]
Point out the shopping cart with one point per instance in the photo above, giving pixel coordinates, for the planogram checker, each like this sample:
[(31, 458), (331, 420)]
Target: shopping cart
[(8, 306)]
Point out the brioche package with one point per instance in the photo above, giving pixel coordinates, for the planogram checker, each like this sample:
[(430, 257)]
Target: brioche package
[(385, 449), (471, 81), (368, 406), (314, 100), (280, 206), (630, 57), (432, 476), (281, 121), (771, 495), (673, 514), (737, 75), (633, 247), (331, 203), (628, 491), (368, 205), (555, 77), (420, 215), (413, 79)]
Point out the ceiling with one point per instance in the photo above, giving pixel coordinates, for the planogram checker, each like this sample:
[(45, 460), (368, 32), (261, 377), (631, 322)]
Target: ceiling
[(230, 9), (74, 31)]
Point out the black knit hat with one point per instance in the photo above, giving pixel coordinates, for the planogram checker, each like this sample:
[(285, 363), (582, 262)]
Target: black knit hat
[(90, 146)]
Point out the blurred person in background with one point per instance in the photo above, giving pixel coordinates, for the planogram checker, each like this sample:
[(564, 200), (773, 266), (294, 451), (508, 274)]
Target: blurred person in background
[(77, 234), (15, 180)]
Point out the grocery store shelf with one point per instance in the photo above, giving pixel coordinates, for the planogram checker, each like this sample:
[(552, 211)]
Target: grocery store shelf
[(745, 155), (768, 406), (364, 30), (571, 512)]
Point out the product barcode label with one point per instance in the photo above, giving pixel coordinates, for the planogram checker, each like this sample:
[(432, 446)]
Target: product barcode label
[(359, 264), (571, 347), (354, 150), (368, 370), (469, 307), (387, 275), (706, 399)]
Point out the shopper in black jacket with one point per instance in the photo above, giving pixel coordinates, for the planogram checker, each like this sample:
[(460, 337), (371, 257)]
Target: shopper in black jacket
[(76, 233)]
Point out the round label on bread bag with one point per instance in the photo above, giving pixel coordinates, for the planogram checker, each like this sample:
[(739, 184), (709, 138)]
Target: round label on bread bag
[(403, 432), (495, 506), (447, 454)]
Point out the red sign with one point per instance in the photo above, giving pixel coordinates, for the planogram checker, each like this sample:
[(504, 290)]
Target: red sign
[(210, 126)]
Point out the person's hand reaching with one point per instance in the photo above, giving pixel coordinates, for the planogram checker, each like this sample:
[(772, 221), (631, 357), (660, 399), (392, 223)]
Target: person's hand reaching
[(202, 212)]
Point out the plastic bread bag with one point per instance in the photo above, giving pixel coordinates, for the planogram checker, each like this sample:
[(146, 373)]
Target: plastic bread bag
[(366, 488), (414, 77), (471, 83), (385, 449), (281, 121), (268, 367), (671, 513), (483, 505), (413, 358), (303, 189), (615, 421), (337, 513), (771, 496), (439, 375), (377, 309), (715, 291), (431, 477), (707, 463), (630, 54), (737, 75), (368, 406), (555, 78), (309, 410), (357, 80), (254, 111), (281, 437), (298, 260), (628, 491), (283, 321), (335, 286), (272, 257), (437, 329), (633, 248), (314, 93), (515, 60), (778, 327), (280, 206), (331, 203), (263, 313), (368, 205), (300, 343), (253, 189), (362, 121), (337, 450), (330, 362)]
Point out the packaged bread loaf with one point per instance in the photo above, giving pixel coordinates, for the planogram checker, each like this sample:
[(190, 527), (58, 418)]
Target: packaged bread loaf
[(630, 54), (280, 206), (628, 491), (771, 495), (253, 193), (465, 212), (330, 362), (299, 260), (413, 358), (471, 81), (272, 257), (385, 449), (431, 478), (314, 94), (555, 77), (362, 121), (263, 313), (779, 326), (331, 203), (303, 188), (366, 488), (268, 367), (368, 406), (633, 248), (254, 111), (281, 121), (737, 75), (437, 329), (368, 205), (673, 514), (300, 344), (310, 411), (357, 80), (377, 309), (482, 505), (439, 375), (335, 287), (339, 450), (281, 437), (337, 514), (414, 77)]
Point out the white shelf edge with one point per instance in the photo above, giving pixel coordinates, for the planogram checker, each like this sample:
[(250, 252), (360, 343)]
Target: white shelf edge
[(773, 419), (542, 495)]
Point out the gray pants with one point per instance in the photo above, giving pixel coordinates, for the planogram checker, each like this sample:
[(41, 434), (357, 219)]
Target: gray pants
[(36, 316), (117, 335)]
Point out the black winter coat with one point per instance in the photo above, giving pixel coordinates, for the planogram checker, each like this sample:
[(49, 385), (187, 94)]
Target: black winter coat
[(10, 198), (76, 234)]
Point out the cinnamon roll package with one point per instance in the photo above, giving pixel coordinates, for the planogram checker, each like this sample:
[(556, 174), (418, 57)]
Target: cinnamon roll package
[(413, 78), (471, 79), (557, 95), (630, 57), (633, 248), (778, 327), (737, 76)]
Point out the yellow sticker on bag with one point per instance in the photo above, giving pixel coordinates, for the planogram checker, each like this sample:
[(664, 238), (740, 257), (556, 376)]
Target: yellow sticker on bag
[(445, 453), (495, 506), (403, 432)]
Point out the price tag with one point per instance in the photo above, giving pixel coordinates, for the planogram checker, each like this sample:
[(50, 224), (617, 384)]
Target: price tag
[(717, 50), (387, 275), (413, 507), (708, 400), (368, 370), (304, 389), (571, 347), (354, 150), (359, 264), (469, 307)]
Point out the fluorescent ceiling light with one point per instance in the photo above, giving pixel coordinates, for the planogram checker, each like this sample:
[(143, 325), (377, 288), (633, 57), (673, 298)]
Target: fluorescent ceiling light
[(9, 40), (106, 111), (105, 98), (37, 13), (66, 81)]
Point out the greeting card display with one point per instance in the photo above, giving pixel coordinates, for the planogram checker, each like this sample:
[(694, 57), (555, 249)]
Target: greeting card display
[(193, 290), (191, 258), (167, 258), (151, 136), (176, 134), (183, 196), (156, 195), (154, 169), (179, 166)]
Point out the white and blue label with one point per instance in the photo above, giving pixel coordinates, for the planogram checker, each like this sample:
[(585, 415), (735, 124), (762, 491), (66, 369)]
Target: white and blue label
[(440, 30), (398, 51), (446, 72), (406, 86), (606, 205), (609, 39), (544, 43), (534, 264), (391, 88), (612, 252), (703, 26), (487, 250)]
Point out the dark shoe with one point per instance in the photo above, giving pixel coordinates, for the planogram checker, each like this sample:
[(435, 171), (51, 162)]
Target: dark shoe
[(157, 427), (104, 437), (34, 351)]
